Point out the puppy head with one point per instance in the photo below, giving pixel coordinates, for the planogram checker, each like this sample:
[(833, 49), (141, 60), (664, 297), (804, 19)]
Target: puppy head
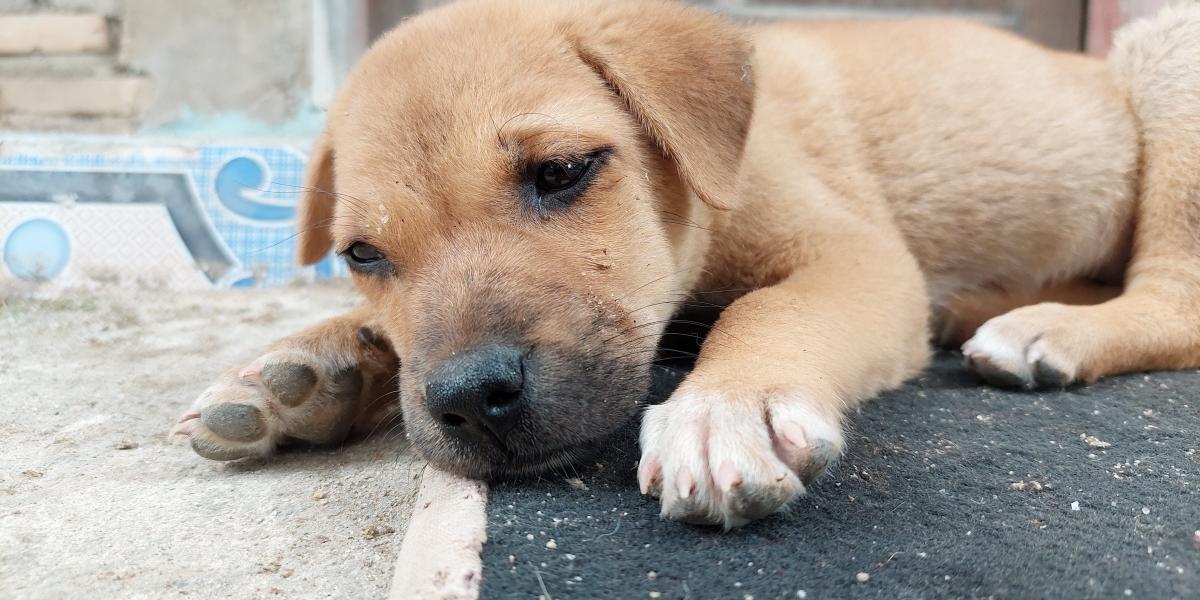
[(514, 186)]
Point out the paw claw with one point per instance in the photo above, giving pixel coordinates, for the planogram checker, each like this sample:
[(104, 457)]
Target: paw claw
[(731, 458), (252, 373), (650, 474), (684, 484), (184, 427), (188, 416), (792, 433), (728, 477)]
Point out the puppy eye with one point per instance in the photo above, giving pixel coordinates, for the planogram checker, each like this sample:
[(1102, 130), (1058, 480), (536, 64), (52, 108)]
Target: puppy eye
[(367, 259), (558, 175), (363, 254), (557, 183)]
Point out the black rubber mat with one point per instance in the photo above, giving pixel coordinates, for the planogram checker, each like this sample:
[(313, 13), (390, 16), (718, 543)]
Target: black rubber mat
[(935, 498)]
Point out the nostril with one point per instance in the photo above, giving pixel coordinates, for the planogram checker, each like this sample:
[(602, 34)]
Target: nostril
[(453, 420), (500, 401)]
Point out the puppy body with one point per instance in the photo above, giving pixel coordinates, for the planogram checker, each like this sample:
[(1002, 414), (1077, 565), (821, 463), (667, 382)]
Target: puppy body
[(837, 184)]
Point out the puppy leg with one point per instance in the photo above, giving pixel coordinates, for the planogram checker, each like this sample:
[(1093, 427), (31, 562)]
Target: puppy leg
[(316, 386), (960, 318), (1155, 323), (760, 416)]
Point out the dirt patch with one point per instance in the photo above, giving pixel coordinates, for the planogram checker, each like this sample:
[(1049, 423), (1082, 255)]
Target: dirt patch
[(94, 498)]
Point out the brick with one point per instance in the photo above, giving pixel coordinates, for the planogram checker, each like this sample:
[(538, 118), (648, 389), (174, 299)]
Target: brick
[(53, 34), (94, 96)]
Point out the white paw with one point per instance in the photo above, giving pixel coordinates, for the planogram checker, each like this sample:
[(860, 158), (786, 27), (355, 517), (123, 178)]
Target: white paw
[(1029, 347), (280, 396), (727, 458)]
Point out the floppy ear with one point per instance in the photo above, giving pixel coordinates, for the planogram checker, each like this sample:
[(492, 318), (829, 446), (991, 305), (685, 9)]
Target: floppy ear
[(315, 213), (685, 75)]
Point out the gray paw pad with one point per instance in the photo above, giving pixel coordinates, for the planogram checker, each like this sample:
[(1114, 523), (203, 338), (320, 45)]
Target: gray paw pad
[(348, 385), (218, 452), (289, 382), (1048, 375), (823, 454), (998, 377), (236, 422)]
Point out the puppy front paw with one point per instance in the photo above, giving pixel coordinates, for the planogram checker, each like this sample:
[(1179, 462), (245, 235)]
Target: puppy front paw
[(280, 396), (727, 457)]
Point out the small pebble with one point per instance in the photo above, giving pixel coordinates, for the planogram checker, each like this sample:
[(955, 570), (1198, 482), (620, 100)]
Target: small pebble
[(801, 594), (1145, 510), (652, 575), (862, 577), (374, 531), (125, 445), (570, 556), (552, 544), (1196, 537), (319, 495), (656, 594), (529, 536), (1075, 506)]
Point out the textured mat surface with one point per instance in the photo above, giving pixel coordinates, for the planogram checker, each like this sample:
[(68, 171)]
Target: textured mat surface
[(927, 503)]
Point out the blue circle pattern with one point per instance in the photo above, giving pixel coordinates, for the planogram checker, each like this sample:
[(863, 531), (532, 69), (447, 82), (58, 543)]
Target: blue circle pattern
[(239, 184), (37, 250)]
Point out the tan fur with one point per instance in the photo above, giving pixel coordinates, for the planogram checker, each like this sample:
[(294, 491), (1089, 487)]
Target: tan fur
[(837, 182)]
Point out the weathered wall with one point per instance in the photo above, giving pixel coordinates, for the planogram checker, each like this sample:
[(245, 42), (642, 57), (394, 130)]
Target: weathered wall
[(123, 65), (209, 57)]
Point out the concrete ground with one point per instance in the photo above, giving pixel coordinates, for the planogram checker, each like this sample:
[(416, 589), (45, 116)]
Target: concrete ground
[(949, 489), (95, 500)]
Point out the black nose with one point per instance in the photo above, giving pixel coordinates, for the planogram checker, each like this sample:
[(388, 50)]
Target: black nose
[(478, 394)]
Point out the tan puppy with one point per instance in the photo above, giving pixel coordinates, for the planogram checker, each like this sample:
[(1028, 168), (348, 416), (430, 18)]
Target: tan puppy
[(527, 192)]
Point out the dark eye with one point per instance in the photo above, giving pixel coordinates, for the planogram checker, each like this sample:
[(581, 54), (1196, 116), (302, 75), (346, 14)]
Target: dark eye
[(558, 175), (365, 258), (363, 254)]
